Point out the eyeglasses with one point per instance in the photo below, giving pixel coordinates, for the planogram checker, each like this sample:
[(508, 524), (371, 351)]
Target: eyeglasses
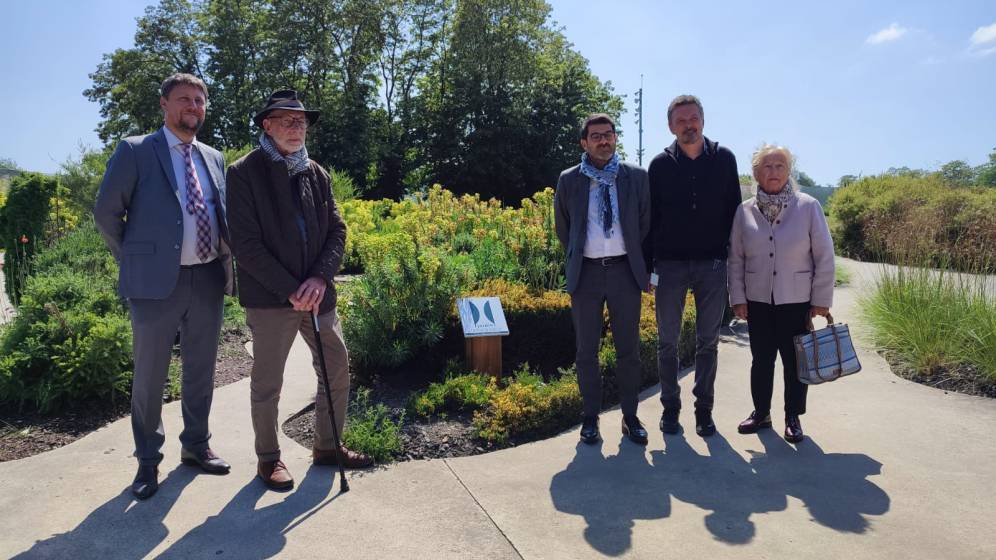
[(290, 122), (599, 136)]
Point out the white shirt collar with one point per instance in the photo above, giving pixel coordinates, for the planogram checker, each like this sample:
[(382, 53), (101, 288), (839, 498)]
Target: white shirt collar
[(172, 140)]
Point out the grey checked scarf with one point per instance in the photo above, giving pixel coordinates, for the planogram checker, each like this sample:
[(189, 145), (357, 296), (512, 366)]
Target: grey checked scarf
[(771, 204), (296, 162)]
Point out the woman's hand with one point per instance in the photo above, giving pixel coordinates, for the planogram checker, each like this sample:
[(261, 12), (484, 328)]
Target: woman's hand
[(740, 310), (817, 310)]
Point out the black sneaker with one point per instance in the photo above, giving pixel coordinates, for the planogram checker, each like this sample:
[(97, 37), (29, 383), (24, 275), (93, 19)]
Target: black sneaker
[(669, 421), (704, 426), (589, 430), (634, 430)]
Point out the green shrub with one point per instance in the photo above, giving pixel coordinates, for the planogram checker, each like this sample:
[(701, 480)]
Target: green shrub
[(529, 407), (82, 250), (70, 341), (401, 305), (921, 220), (343, 187), (934, 321), (24, 227), (458, 393), (371, 429)]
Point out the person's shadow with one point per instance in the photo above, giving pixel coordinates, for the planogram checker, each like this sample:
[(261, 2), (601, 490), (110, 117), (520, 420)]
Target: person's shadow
[(242, 531), (833, 486), (610, 493), (721, 482), (121, 527)]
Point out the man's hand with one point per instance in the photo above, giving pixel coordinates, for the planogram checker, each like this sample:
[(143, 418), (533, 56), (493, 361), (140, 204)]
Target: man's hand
[(817, 310), (740, 310), (309, 294)]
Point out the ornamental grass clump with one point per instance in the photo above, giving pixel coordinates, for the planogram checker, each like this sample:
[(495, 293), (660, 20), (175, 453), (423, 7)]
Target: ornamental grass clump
[(939, 323)]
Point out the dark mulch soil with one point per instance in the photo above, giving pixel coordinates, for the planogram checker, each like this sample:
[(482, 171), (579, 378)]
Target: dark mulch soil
[(23, 434), (963, 379)]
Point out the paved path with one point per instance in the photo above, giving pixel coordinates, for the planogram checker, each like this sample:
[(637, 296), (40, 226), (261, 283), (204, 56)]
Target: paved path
[(6, 309), (891, 469)]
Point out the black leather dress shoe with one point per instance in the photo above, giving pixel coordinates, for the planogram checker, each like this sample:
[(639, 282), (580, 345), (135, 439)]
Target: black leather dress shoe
[(669, 421), (206, 460), (634, 430), (146, 482), (704, 426), (754, 423), (589, 430), (793, 429)]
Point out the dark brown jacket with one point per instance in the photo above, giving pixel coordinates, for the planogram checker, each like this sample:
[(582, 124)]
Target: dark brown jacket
[(272, 257)]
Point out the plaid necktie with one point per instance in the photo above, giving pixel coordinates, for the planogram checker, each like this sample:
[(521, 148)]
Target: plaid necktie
[(196, 206)]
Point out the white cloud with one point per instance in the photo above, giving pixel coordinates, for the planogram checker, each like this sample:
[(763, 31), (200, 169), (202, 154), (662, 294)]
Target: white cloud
[(984, 35), (984, 41), (892, 33)]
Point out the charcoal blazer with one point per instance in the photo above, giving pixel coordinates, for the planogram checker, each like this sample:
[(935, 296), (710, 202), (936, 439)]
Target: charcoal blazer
[(571, 218), (139, 215)]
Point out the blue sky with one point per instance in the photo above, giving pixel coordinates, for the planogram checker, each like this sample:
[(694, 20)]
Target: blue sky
[(851, 87)]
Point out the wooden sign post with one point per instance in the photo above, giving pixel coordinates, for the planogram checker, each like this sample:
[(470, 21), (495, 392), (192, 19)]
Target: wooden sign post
[(483, 324)]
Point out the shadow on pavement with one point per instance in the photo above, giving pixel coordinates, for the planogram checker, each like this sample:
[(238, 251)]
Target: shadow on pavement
[(242, 531), (120, 528), (611, 492)]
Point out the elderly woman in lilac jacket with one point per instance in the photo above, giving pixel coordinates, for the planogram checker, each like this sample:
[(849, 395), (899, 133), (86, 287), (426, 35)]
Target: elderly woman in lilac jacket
[(781, 275)]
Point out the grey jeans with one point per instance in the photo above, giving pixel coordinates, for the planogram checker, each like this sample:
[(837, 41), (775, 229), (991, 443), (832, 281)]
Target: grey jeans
[(707, 280)]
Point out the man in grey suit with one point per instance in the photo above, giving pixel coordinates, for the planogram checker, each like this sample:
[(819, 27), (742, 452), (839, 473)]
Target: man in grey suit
[(602, 213), (161, 210)]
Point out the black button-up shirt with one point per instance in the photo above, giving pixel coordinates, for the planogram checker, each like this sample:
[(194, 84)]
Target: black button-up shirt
[(693, 202)]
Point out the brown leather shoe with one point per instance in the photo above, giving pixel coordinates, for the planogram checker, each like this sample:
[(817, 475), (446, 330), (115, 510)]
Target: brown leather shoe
[(350, 459), (275, 475)]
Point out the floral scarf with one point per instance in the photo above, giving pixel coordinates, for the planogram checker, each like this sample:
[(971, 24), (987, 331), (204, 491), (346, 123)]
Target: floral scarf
[(771, 204)]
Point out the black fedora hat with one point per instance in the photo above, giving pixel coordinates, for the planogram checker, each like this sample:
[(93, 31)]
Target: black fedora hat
[(287, 100)]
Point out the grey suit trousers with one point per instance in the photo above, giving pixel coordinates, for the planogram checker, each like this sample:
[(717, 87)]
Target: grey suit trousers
[(613, 285), (194, 307)]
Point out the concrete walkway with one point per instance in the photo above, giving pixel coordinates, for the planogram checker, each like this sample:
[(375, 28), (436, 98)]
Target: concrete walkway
[(890, 469)]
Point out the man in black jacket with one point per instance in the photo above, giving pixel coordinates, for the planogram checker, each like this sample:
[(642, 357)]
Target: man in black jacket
[(694, 192), (288, 240)]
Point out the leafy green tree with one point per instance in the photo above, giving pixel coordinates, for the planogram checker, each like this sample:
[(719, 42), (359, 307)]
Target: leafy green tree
[(957, 173), (126, 83), (847, 180), (987, 172), (81, 178), (805, 181), (501, 106)]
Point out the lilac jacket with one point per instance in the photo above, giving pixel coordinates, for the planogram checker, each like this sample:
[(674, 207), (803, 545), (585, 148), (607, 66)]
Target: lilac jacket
[(791, 259)]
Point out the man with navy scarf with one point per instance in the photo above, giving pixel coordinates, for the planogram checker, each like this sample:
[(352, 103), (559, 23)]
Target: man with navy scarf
[(602, 212)]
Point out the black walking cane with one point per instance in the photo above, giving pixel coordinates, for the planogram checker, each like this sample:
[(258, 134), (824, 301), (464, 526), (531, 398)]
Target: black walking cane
[(343, 485)]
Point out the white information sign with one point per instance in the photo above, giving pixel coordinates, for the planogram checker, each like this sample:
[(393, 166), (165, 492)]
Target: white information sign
[(482, 316)]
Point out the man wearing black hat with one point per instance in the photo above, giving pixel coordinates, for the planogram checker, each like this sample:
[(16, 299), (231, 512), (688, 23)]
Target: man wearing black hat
[(288, 240), (161, 211)]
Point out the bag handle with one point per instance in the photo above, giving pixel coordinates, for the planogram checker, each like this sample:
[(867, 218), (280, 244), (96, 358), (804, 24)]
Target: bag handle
[(816, 347)]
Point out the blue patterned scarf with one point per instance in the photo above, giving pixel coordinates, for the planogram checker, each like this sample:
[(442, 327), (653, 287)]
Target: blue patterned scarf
[(605, 177), (296, 162)]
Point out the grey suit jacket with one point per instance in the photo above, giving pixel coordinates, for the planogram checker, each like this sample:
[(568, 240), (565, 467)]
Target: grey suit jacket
[(571, 217), (138, 212)]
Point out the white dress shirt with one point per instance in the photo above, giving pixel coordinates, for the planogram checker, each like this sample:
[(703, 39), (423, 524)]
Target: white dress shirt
[(188, 252), (596, 245)]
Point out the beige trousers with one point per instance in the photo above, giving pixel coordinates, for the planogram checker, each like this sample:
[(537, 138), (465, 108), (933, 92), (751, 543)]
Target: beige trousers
[(273, 332)]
